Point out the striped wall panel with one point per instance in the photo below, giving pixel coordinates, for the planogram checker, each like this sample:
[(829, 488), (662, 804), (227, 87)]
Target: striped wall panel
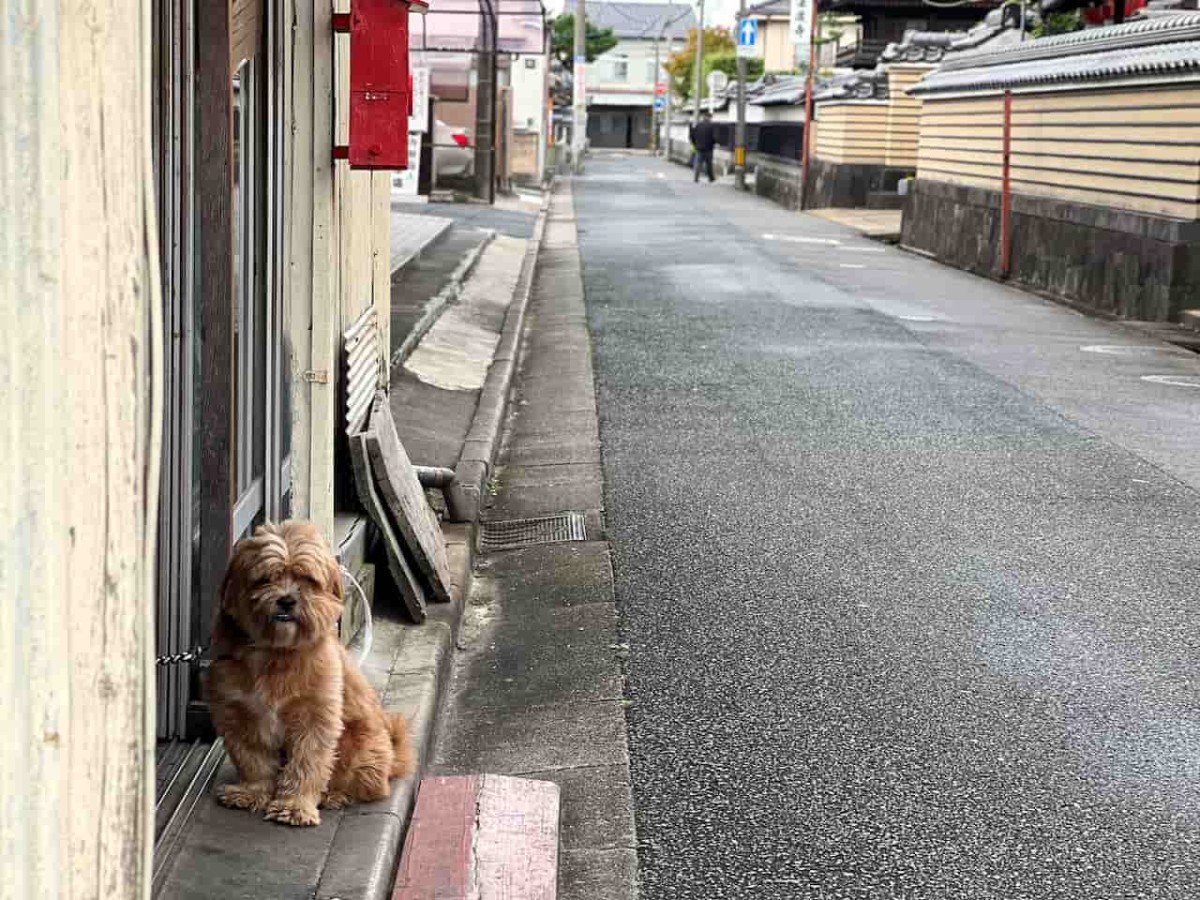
[(853, 132), (1136, 149)]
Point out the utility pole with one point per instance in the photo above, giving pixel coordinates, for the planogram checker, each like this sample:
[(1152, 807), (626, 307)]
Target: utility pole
[(739, 139), (579, 90), (662, 32), (699, 66), (808, 104)]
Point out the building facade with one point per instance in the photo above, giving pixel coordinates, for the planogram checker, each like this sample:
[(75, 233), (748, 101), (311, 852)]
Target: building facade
[(189, 268), (621, 82)]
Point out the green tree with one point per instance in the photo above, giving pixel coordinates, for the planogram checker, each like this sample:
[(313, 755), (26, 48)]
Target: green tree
[(562, 42), (727, 63), (681, 64), (1058, 23)]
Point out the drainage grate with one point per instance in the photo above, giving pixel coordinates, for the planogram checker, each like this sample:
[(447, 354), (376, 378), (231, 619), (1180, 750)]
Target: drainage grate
[(528, 532)]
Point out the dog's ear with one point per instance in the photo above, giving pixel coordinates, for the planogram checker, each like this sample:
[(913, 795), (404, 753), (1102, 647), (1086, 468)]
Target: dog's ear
[(233, 583)]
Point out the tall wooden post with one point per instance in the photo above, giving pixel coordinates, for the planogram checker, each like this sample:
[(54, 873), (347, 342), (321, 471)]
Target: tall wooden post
[(78, 296)]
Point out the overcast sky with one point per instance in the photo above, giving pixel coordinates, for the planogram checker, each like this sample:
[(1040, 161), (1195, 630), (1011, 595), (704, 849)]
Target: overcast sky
[(716, 12)]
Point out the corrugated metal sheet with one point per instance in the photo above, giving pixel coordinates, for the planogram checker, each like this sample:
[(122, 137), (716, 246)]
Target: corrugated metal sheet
[(360, 369)]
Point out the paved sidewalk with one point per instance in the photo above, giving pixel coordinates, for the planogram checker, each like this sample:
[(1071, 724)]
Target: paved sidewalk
[(537, 685), (436, 390), (876, 223)]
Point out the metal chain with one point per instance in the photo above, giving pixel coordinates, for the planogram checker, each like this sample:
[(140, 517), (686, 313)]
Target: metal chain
[(174, 659)]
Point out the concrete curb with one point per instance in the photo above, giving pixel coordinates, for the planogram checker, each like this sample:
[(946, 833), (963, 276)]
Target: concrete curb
[(474, 465), (415, 254), (441, 301), (416, 660)]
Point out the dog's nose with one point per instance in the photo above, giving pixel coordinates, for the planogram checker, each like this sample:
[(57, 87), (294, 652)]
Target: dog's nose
[(286, 604)]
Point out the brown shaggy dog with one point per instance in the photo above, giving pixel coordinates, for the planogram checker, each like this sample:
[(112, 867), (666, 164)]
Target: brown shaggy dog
[(299, 720)]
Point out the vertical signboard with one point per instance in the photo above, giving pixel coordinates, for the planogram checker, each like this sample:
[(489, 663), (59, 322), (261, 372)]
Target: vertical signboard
[(800, 23), (420, 101), (405, 183)]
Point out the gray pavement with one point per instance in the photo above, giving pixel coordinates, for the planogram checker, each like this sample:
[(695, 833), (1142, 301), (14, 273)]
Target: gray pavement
[(906, 561), (537, 687), (510, 215)]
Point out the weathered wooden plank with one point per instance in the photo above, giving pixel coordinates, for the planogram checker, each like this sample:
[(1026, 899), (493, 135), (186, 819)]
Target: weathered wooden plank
[(405, 579), (245, 34), (214, 184), (516, 841), (76, 290), (437, 860), (405, 499)]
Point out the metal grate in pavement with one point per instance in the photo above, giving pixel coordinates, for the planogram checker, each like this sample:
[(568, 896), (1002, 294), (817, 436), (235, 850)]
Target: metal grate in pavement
[(515, 533)]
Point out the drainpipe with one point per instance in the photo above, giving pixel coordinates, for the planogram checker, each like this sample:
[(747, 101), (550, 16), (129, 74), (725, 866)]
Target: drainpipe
[(805, 149)]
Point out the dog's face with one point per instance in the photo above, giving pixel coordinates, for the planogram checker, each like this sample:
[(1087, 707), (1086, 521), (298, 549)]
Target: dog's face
[(283, 587)]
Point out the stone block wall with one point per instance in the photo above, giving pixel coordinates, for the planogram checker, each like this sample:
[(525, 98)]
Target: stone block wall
[(1116, 262)]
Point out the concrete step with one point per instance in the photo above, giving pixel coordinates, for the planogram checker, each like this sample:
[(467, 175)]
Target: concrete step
[(487, 836), (411, 234), (1190, 318), (428, 283), (436, 388)]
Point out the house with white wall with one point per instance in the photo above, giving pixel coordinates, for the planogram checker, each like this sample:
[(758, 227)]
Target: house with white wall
[(620, 83)]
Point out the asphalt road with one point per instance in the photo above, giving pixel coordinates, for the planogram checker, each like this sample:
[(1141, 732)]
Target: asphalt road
[(908, 563)]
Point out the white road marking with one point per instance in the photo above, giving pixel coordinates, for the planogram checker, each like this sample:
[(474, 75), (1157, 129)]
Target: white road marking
[(852, 265), (801, 239), (1132, 349), (862, 249), (1192, 381)]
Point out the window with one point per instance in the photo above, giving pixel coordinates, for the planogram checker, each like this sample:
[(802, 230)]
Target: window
[(651, 72), (619, 68)]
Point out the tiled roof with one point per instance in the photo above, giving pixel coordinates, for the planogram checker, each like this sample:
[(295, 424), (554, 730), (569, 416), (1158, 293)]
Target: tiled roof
[(770, 8), (1167, 47), (640, 20), (780, 90), (860, 85)]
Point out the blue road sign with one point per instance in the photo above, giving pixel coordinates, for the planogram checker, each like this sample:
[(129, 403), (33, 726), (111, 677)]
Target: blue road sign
[(748, 33), (660, 102)]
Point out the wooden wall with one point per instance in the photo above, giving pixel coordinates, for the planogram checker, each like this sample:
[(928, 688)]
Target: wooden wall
[(904, 114), (77, 285), (852, 131), (339, 248), (873, 132), (1135, 148)]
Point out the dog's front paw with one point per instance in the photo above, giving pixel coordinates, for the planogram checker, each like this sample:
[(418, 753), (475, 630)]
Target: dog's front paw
[(336, 800), (244, 796), (293, 811)]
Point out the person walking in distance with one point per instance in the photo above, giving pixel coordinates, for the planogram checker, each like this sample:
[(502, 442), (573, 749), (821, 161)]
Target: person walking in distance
[(704, 138)]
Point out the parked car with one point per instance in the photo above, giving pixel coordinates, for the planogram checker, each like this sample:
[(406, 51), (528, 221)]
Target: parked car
[(453, 155)]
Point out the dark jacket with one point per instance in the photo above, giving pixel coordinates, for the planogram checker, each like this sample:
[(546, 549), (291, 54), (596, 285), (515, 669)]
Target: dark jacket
[(703, 136)]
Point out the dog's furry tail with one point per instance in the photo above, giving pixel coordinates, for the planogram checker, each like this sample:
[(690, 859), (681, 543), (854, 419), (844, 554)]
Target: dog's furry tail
[(403, 762)]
